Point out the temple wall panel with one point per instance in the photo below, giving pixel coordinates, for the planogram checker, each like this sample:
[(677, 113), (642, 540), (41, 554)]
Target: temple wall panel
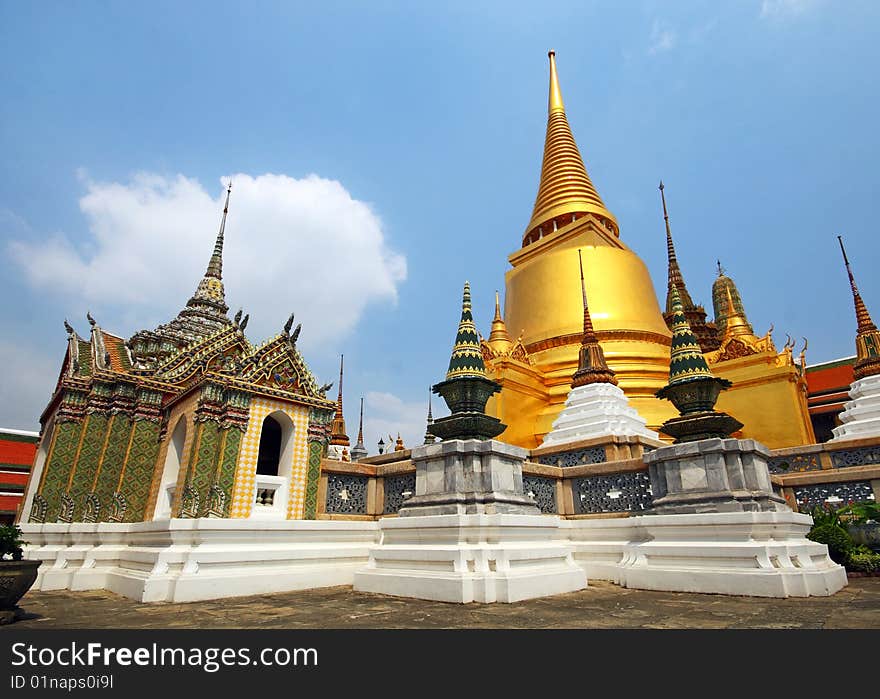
[(86, 465), (246, 469), (768, 401), (184, 408), (138, 475), (228, 462), (57, 471), (313, 480), (110, 468), (203, 462)]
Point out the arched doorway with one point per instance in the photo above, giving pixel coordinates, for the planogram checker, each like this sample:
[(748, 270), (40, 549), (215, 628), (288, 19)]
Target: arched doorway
[(173, 459), (269, 458), (274, 467)]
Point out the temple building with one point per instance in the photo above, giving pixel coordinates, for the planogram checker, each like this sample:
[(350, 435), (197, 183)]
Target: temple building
[(187, 420), (543, 310)]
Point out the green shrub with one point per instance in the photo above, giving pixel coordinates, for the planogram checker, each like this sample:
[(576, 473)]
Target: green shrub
[(838, 541), (863, 560)]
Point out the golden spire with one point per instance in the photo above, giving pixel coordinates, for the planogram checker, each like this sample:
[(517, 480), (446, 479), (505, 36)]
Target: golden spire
[(338, 434), (867, 335), (565, 191), (592, 367), (499, 338), (735, 322)]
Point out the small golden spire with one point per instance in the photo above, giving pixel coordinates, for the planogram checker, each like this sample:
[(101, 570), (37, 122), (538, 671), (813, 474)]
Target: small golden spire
[(735, 324), (565, 191), (499, 338)]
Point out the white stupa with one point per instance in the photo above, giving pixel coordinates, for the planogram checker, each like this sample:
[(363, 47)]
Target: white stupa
[(596, 406), (861, 413)]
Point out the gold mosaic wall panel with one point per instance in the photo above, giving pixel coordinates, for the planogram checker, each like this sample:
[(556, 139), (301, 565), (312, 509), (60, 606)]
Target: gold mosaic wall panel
[(246, 472)]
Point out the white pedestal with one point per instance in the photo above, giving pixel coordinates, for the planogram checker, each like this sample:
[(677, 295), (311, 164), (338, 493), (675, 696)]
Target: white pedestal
[(596, 410), (861, 414), (471, 558), (761, 554)]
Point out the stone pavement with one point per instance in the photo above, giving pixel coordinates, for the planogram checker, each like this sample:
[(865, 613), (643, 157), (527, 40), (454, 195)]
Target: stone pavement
[(603, 605)]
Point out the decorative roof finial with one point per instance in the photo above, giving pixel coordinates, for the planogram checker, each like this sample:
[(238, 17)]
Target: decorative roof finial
[(675, 277), (90, 319), (867, 336), (429, 436), (862, 315), (338, 434), (555, 100), (68, 327), (592, 367), (288, 325), (720, 268), (215, 265), (359, 451)]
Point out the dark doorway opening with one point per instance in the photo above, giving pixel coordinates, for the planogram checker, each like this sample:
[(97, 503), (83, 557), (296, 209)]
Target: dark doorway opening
[(269, 456)]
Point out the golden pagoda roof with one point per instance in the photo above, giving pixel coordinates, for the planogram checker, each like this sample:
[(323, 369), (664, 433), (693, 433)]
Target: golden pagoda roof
[(565, 190)]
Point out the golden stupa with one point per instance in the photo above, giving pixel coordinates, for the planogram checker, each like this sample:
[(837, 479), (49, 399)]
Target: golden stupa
[(543, 307)]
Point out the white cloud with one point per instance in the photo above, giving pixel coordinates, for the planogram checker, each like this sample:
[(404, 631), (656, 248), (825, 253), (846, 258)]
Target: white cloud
[(292, 245), (28, 380), (785, 8), (663, 37), (385, 414)]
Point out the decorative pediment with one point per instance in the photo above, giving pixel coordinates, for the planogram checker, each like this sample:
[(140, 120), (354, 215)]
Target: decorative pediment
[(221, 353), (735, 349), (278, 364), (516, 351)]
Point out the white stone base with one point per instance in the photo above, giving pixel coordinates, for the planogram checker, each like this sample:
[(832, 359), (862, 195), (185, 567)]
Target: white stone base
[(596, 410), (471, 558), (861, 414), (761, 554), (183, 560)]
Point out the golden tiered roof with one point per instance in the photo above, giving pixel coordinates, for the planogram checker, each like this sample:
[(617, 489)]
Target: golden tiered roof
[(565, 190)]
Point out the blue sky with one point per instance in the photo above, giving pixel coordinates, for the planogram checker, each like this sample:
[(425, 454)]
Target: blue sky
[(422, 126)]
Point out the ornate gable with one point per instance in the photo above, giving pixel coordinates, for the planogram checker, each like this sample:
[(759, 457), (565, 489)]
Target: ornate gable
[(278, 364)]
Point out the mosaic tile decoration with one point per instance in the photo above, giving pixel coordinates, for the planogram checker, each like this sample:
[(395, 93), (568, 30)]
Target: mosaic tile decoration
[(246, 471)]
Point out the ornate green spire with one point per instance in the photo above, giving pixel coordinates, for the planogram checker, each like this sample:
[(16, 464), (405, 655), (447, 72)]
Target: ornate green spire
[(467, 357), (686, 359)]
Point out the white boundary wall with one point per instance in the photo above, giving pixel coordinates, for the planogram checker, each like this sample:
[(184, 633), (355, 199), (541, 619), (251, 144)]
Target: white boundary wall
[(181, 560)]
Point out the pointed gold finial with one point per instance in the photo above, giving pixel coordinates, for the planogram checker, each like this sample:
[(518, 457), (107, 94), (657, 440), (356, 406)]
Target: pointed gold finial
[(555, 102), (499, 338), (565, 192)]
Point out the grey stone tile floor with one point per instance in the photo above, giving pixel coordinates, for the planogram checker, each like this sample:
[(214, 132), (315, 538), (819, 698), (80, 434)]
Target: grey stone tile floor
[(601, 606)]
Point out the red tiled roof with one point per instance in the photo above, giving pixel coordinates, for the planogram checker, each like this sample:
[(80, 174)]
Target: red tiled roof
[(20, 453)]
